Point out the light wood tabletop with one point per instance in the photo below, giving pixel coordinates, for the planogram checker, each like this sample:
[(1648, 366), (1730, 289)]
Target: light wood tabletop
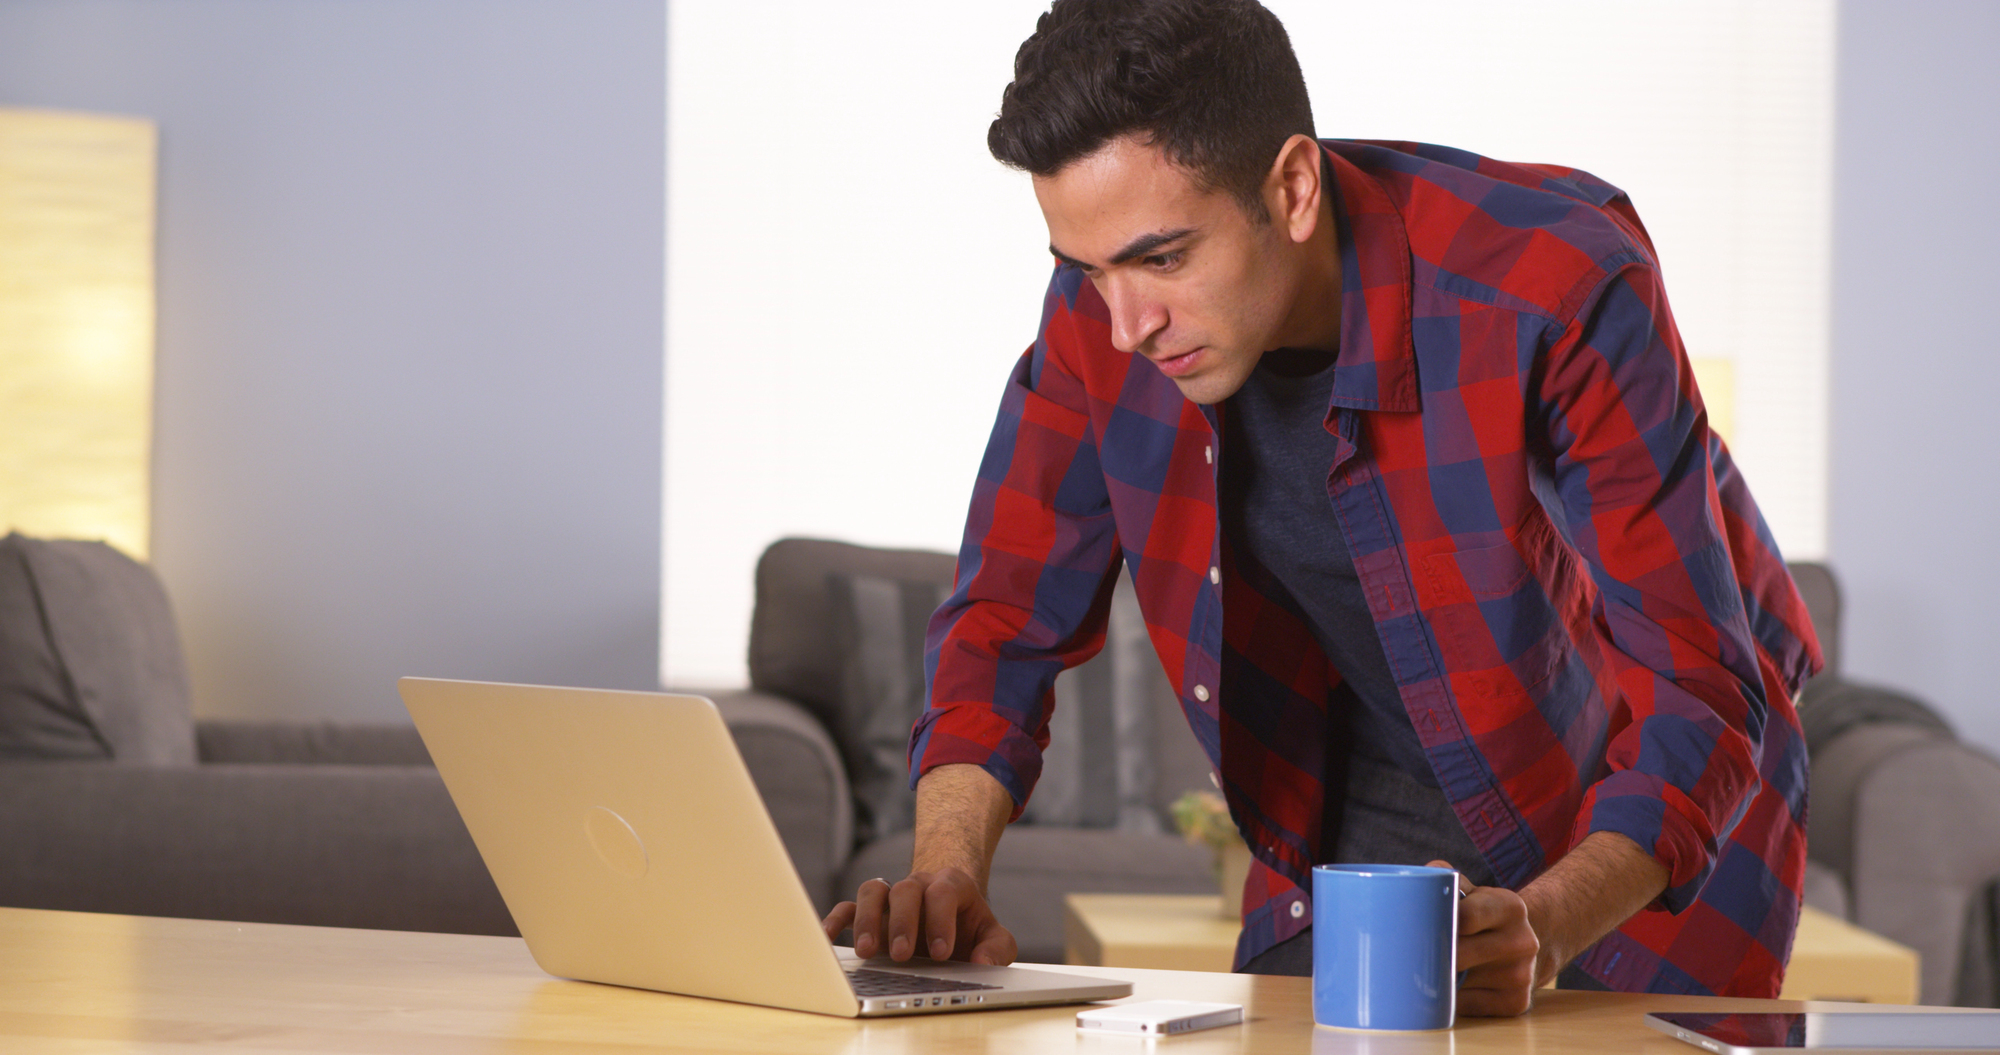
[(1832, 959), (81, 982)]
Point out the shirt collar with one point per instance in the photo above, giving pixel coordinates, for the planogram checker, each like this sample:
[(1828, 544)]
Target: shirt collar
[(1377, 366)]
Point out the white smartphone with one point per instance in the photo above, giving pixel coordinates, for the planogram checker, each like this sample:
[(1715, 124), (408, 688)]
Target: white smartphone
[(1854, 1032), (1159, 1018)]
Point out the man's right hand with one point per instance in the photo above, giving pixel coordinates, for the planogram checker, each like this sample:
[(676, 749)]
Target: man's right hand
[(940, 910), (939, 913)]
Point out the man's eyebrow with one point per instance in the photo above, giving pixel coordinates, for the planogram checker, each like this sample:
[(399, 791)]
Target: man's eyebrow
[(1139, 246)]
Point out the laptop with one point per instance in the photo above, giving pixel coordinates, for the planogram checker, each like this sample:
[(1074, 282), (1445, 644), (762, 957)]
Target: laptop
[(629, 843)]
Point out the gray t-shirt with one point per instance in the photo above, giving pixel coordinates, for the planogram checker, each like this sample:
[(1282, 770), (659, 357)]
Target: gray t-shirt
[(1383, 801)]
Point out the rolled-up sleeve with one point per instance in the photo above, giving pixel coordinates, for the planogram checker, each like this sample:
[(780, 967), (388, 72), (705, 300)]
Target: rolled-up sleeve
[(1634, 468), (1034, 572)]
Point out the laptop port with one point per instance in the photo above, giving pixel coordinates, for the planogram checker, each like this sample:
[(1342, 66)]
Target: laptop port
[(893, 1003), (958, 1000), (937, 1001)]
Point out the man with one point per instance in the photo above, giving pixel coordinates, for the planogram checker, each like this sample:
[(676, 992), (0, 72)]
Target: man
[(1401, 449)]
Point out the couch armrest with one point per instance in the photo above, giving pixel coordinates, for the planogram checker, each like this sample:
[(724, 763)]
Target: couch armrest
[(1926, 845), (331, 845), (315, 743), (799, 773)]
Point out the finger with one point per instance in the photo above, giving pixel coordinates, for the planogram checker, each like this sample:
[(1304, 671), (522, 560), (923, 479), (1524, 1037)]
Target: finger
[(1502, 987), (995, 945), (841, 918), (906, 904), (1500, 976), (943, 901), (869, 937), (1495, 1003), (1506, 946), (1464, 885), (1490, 908)]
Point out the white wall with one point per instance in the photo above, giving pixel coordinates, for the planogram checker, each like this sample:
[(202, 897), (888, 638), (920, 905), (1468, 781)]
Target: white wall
[(1916, 355), (410, 262), (850, 274)]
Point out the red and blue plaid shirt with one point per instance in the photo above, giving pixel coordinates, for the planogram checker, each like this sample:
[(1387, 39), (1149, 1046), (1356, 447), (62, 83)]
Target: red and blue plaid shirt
[(1588, 621)]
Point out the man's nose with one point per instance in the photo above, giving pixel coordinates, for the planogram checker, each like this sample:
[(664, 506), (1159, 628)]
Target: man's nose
[(1135, 317)]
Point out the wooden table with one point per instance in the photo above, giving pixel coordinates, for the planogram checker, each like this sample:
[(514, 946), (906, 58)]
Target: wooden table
[(1170, 932), (1832, 959), (79, 982)]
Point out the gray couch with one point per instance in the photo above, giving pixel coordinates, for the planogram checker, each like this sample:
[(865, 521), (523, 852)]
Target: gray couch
[(836, 679), (1904, 831), (113, 799)]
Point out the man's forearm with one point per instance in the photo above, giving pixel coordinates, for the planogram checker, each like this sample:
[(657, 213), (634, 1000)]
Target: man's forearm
[(1602, 882), (961, 811)]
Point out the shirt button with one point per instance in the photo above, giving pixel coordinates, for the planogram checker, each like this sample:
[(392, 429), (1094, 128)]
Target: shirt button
[(1208, 455), (1215, 575), (1298, 909), (1201, 693)]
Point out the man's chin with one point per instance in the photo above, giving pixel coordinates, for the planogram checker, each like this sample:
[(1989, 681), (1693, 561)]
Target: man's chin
[(1208, 388)]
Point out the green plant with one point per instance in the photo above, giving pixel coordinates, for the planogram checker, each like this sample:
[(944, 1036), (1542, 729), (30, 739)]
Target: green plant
[(1203, 820)]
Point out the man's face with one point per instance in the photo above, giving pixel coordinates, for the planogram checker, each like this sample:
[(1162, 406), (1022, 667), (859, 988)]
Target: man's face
[(1193, 283)]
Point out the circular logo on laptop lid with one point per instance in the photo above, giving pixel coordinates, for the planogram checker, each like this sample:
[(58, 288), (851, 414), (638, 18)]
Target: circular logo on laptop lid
[(617, 845)]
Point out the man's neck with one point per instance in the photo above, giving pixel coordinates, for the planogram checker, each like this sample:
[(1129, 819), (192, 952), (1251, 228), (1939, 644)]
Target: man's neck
[(1296, 362), (1315, 322)]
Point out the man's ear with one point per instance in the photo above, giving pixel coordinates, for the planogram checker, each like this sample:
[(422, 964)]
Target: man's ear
[(1292, 189)]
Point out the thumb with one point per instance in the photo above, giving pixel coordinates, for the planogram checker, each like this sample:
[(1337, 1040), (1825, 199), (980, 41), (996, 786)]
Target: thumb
[(1465, 886), (995, 946)]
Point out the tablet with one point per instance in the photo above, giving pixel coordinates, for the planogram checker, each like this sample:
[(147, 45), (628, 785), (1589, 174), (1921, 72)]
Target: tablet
[(1756, 1033)]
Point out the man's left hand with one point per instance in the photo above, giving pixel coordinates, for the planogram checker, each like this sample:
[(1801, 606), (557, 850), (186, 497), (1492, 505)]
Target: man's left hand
[(1497, 949), (1509, 944)]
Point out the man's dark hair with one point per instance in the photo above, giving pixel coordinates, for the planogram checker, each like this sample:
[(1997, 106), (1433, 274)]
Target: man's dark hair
[(1213, 83)]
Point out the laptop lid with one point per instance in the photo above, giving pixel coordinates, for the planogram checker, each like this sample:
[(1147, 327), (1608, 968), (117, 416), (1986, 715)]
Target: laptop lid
[(628, 841), (631, 846)]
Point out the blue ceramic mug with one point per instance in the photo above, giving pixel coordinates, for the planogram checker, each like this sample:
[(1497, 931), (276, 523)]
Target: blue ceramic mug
[(1385, 946)]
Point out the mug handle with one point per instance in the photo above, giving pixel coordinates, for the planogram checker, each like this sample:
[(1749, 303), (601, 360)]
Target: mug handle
[(1464, 888)]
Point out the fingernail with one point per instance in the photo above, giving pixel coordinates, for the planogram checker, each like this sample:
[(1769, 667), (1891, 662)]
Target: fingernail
[(900, 947), (940, 949)]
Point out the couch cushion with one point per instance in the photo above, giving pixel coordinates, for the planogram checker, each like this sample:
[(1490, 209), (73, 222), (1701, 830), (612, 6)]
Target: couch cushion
[(878, 624), (841, 629), (39, 714), (237, 740), (792, 650), (1821, 593), (1101, 766), (90, 662), (801, 778), (329, 845)]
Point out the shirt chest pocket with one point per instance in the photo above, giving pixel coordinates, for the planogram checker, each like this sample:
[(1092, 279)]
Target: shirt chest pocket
[(1500, 623)]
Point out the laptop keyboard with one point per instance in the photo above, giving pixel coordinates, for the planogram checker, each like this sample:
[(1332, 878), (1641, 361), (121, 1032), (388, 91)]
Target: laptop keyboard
[(868, 982)]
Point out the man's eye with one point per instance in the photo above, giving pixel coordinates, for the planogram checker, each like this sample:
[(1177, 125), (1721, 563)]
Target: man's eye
[(1163, 261)]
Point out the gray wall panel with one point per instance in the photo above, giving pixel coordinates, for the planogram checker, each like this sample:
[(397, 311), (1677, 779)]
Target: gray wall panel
[(409, 334), (1916, 352)]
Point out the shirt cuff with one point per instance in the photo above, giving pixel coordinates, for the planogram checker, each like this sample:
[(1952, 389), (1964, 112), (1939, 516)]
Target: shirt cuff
[(1662, 820), (968, 734)]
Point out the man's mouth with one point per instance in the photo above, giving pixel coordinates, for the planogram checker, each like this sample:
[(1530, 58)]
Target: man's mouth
[(1178, 365)]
